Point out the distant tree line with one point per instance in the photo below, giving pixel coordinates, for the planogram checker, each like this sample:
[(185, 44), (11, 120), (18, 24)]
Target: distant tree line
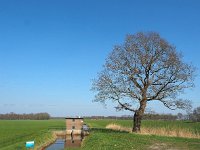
[(159, 117), (146, 116), (194, 116), (31, 116)]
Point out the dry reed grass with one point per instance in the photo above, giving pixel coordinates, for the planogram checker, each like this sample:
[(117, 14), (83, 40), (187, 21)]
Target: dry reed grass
[(117, 127), (178, 132)]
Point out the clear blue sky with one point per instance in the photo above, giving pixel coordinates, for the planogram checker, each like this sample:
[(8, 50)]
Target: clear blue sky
[(50, 50)]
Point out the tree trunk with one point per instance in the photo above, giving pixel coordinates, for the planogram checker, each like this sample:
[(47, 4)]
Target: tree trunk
[(137, 118), (136, 122)]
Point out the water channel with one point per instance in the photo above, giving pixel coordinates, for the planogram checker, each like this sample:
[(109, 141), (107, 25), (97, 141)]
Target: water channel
[(66, 141)]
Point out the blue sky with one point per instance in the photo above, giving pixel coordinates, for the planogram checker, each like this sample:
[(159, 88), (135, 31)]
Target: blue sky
[(50, 50)]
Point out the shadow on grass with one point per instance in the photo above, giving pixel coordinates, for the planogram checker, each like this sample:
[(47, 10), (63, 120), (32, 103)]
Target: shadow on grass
[(104, 130)]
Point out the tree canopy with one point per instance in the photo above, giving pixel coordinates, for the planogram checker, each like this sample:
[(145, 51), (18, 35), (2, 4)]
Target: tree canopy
[(144, 68)]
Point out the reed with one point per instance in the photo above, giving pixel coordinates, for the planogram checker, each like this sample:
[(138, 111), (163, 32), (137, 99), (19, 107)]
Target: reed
[(118, 127), (177, 132), (162, 131)]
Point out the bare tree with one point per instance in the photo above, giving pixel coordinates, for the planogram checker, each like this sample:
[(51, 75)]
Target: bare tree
[(195, 115), (180, 116), (145, 68)]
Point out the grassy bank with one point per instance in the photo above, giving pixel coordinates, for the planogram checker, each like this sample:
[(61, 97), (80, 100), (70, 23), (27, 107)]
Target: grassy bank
[(108, 139)]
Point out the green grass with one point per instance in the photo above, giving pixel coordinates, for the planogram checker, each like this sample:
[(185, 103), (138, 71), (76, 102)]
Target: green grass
[(14, 133), (108, 139), (119, 140), (17, 132)]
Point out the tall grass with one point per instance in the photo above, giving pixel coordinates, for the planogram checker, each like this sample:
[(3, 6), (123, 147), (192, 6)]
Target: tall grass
[(163, 131), (178, 132), (118, 127)]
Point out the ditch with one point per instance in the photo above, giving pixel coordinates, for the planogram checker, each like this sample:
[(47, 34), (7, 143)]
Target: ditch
[(66, 141)]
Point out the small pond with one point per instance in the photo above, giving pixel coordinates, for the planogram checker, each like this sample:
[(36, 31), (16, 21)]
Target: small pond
[(66, 141)]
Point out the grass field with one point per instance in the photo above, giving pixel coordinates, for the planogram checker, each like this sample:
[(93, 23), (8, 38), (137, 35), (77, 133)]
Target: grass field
[(13, 135), (109, 139)]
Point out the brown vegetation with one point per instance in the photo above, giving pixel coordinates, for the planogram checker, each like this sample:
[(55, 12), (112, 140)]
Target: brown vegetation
[(178, 132)]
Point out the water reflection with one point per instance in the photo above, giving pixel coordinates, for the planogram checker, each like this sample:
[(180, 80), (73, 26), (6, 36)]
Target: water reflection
[(66, 141), (73, 141)]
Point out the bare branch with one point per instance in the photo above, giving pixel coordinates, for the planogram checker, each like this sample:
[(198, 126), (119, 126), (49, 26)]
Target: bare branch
[(125, 106), (145, 68)]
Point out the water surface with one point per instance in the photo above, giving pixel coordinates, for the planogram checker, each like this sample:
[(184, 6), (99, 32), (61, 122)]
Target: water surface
[(66, 141)]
